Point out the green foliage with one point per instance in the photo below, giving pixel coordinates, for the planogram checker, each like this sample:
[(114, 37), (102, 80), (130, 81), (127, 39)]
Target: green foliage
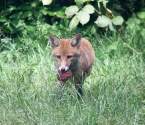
[(126, 8), (20, 17), (83, 14), (30, 19), (135, 26)]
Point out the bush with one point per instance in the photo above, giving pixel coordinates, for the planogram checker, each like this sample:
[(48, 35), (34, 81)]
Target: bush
[(30, 19)]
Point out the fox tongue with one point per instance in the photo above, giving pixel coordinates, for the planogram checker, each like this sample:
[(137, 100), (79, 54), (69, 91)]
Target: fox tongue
[(64, 76)]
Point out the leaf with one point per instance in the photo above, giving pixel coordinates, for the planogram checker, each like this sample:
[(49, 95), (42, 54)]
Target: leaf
[(83, 17), (50, 13), (11, 8), (24, 7), (111, 26), (9, 27), (45, 12), (16, 15), (88, 9), (141, 15), (20, 25), (27, 14), (17, 25), (36, 13), (71, 10), (133, 20), (30, 28), (102, 21), (46, 2), (74, 22), (118, 20), (3, 19), (60, 13), (79, 3)]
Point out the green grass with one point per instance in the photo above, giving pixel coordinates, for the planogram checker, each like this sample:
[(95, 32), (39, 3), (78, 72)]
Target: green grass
[(114, 94)]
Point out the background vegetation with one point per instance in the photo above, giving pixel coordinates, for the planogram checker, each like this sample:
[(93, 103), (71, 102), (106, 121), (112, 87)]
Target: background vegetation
[(115, 91)]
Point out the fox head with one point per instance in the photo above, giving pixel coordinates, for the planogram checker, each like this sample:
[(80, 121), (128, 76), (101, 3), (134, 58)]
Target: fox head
[(65, 51)]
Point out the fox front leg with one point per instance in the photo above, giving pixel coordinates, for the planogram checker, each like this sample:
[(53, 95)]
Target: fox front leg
[(78, 82)]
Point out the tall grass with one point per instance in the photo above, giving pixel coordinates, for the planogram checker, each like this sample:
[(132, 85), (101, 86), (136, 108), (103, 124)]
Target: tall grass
[(114, 94)]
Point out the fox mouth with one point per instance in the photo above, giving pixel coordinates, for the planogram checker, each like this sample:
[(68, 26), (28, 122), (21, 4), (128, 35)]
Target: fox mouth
[(64, 69)]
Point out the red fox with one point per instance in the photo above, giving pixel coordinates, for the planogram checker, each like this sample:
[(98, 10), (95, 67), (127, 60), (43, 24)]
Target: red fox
[(74, 59)]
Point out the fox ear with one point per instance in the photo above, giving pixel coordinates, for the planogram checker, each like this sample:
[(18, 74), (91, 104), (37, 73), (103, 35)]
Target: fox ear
[(54, 41), (76, 40)]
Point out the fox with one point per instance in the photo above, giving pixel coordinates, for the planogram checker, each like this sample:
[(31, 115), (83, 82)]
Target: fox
[(75, 55)]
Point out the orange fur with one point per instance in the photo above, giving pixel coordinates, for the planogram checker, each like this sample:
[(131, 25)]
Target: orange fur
[(75, 54)]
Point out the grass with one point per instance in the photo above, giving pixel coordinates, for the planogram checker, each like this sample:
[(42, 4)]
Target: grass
[(114, 94)]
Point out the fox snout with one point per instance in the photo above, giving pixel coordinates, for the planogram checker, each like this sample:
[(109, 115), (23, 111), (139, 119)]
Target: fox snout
[(63, 66), (63, 69)]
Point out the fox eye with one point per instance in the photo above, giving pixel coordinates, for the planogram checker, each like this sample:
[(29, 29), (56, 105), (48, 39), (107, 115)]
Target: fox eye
[(58, 56), (69, 56)]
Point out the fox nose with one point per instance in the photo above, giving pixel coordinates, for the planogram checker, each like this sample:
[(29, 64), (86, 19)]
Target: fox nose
[(62, 69)]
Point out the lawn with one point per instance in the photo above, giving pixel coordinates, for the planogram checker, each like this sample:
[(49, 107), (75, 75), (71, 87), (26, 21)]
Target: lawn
[(114, 94)]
